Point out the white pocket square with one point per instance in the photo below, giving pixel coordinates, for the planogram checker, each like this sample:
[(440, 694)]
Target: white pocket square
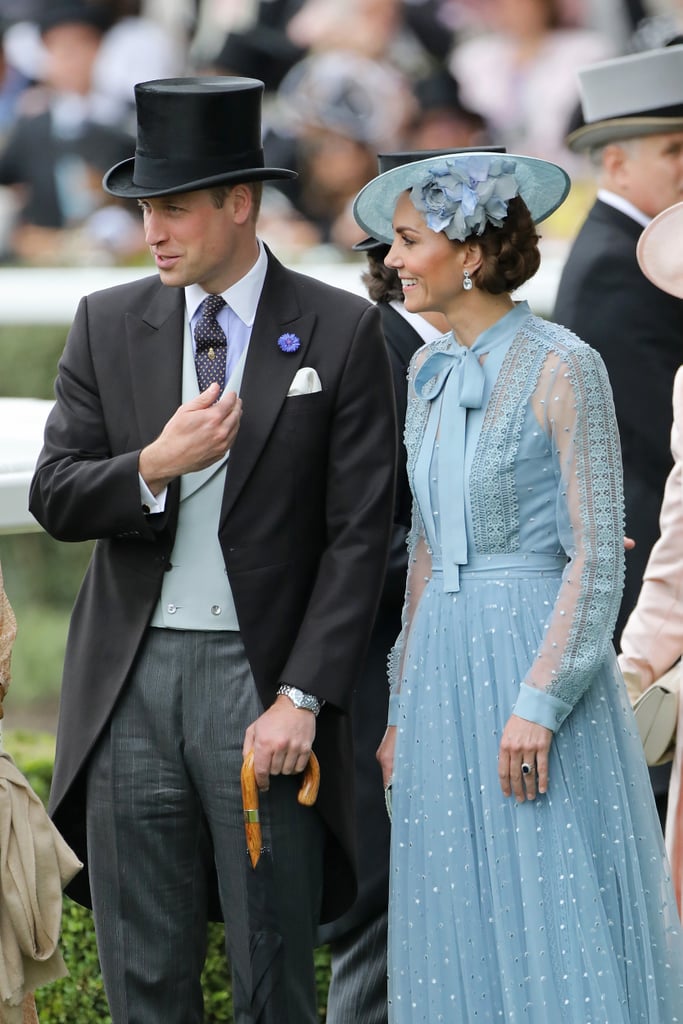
[(306, 382)]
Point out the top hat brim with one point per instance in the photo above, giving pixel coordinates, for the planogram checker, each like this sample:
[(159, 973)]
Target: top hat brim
[(120, 180), (660, 250), (543, 186), (618, 129)]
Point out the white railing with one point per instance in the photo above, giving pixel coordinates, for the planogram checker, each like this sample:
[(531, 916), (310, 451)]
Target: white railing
[(50, 296)]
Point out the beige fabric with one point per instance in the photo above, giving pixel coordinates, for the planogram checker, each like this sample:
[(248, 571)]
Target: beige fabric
[(36, 865), (8, 631)]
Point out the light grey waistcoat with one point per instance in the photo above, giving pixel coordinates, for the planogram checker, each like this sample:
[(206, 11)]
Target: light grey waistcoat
[(196, 593)]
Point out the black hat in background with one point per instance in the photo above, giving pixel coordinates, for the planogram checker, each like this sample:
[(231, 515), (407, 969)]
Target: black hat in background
[(258, 52), (71, 12), (388, 161), (440, 91), (194, 133)]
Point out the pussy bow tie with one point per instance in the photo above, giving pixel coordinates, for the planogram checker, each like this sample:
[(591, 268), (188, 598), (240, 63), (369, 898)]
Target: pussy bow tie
[(458, 379)]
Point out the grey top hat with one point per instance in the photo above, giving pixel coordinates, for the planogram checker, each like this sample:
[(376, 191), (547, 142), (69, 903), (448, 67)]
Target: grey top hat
[(461, 193), (194, 133), (628, 97), (386, 161)]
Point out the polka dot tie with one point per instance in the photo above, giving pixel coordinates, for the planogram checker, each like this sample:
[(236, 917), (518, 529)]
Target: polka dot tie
[(210, 344)]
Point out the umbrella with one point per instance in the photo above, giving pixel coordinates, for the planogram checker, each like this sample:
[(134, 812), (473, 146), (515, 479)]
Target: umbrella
[(265, 940)]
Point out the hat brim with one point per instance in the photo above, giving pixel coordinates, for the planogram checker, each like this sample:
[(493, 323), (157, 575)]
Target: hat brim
[(660, 251), (542, 185), (617, 129), (118, 181), (366, 244)]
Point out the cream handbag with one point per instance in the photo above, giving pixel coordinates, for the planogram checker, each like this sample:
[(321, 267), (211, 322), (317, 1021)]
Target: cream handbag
[(656, 711)]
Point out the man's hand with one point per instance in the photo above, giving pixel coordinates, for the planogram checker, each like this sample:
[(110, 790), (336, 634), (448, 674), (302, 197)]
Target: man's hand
[(198, 434), (282, 739)]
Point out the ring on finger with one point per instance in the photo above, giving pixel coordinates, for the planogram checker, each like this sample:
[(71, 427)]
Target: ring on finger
[(527, 768)]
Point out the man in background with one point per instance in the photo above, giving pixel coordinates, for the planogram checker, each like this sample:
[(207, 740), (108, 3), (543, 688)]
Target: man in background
[(632, 111)]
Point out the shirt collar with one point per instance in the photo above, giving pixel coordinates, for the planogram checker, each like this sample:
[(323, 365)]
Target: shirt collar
[(619, 203), (242, 297), (421, 326)]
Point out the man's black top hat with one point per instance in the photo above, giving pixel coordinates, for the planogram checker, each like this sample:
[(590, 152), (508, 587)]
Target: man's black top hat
[(194, 133), (387, 162)]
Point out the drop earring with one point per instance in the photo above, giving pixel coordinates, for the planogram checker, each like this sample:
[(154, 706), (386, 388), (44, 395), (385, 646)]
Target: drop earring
[(467, 281)]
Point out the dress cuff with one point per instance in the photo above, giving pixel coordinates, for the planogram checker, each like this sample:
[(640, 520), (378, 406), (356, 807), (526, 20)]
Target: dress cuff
[(392, 717), (541, 707)]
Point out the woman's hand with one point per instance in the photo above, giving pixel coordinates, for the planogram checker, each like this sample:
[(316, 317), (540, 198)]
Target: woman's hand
[(385, 754), (525, 745)]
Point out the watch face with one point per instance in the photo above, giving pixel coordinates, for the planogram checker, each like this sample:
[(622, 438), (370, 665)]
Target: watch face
[(300, 699)]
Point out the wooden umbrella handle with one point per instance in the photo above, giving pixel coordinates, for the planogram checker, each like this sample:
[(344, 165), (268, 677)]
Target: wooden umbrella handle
[(252, 824), (310, 784), (307, 795)]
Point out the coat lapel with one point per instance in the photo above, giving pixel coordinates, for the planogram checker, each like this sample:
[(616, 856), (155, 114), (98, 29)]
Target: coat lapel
[(268, 373), (155, 346)]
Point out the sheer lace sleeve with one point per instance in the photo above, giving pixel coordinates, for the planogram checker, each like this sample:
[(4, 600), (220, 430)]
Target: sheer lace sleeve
[(573, 403), (419, 554)]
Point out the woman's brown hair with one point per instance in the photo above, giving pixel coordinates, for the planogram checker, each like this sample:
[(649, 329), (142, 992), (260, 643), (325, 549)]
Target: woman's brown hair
[(510, 253)]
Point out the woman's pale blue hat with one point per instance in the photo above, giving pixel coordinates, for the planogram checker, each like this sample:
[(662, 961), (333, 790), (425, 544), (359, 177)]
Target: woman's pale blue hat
[(461, 193)]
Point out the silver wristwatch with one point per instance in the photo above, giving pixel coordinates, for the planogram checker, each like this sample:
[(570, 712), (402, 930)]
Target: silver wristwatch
[(300, 699)]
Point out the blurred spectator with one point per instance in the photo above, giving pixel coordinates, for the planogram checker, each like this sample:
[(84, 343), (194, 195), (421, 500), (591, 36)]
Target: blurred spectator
[(258, 51), (12, 85), (368, 27), (51, 156), (441, 120), (336, 110), (376, 29), (521, 75), (134, 49)]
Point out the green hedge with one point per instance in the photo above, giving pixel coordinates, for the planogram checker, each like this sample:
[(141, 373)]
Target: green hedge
[(79, 998)]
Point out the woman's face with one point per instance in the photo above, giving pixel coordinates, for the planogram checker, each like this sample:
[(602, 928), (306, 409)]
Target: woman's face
[(428, 263)]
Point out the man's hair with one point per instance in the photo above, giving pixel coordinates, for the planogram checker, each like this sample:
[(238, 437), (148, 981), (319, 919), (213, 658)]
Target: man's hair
[(220, 193), (595, 154)]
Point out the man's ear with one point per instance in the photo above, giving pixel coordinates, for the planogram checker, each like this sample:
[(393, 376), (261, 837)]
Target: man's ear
[(242, 200), (614, 158)]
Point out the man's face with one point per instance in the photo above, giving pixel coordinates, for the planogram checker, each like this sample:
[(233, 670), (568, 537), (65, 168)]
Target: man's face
[(70, 52), (195, 242), (652, 172)]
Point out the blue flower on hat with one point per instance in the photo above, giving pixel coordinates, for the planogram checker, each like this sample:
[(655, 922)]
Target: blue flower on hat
[(288, 342), (462, 197)]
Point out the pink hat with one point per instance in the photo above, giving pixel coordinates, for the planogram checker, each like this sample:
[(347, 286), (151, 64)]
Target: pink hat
[(660, 250)]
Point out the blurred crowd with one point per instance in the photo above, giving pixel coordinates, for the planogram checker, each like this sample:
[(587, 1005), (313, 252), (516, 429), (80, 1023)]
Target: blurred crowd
[(343, 83)]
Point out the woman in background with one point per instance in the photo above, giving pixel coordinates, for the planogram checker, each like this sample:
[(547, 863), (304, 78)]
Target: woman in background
[(652, 640)]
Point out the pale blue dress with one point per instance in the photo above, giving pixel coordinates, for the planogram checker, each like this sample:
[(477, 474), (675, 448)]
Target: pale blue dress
[(558, 911)]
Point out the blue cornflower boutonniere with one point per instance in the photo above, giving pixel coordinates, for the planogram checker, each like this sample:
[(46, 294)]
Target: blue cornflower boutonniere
[(288, 342)]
